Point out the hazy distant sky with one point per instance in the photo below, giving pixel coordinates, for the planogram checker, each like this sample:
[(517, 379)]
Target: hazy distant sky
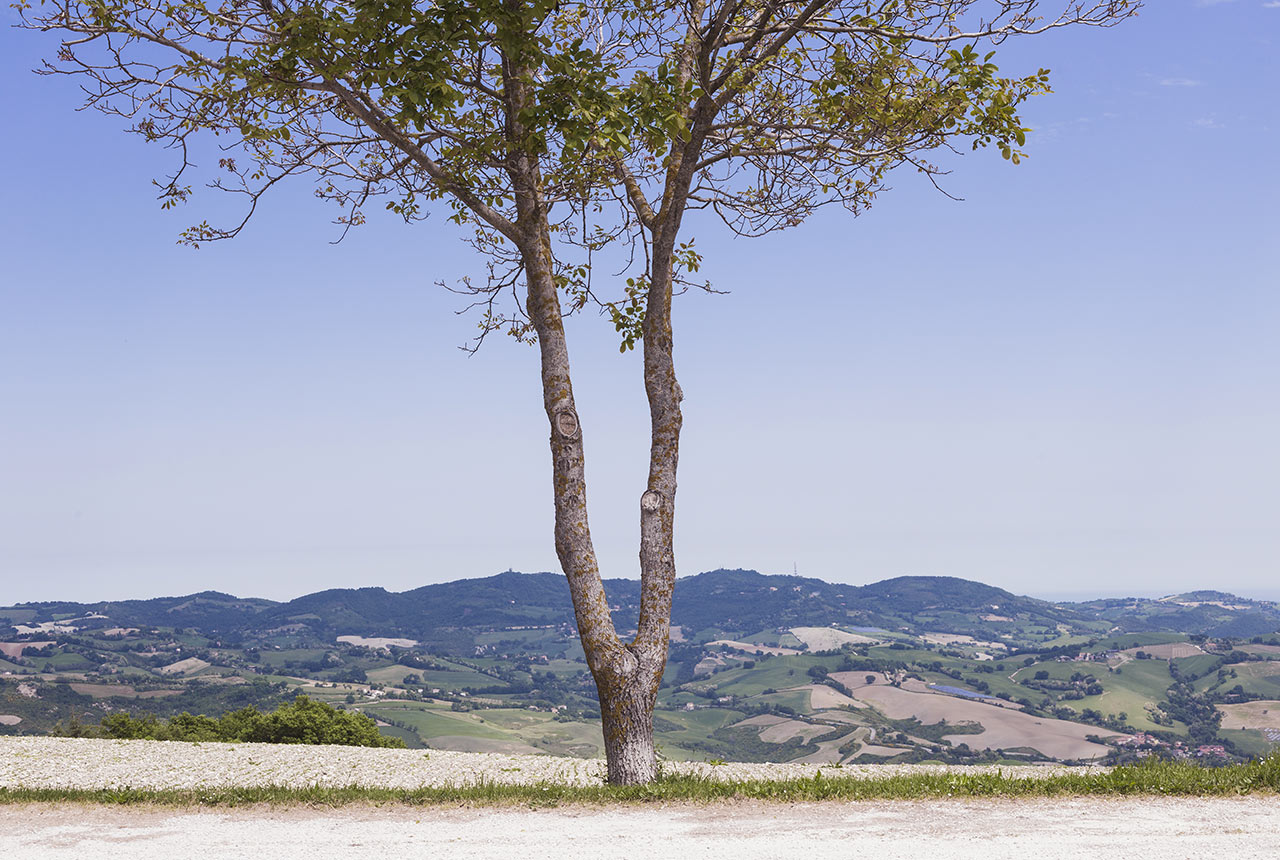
[(1067, 383)]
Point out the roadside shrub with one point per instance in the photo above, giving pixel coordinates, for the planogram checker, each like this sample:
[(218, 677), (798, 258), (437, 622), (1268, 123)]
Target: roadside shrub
[(302, 721)]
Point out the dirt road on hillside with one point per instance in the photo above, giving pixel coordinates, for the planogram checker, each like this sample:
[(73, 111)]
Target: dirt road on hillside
[(1146, 829)]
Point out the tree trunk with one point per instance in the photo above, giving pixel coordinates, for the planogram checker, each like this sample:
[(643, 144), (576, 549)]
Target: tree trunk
[(626, 711), (627, 676)]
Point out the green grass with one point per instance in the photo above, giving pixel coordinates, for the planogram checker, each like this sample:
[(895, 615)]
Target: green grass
[(1061, 671), (65, 662), (1260, 678), (277, 659), (1248, 741), (695, 726), (537, 729), (524, 636), (775, 673), (455, 676), (562, 668), (1138, 640), (430, 722), (912, 655), (393, 674), (1065, 639), (1159, 779), (1200, 665), (1139, 682), (411, 739)]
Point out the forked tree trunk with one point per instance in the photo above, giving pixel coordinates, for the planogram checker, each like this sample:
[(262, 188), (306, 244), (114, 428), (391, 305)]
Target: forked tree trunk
[(627, 676)]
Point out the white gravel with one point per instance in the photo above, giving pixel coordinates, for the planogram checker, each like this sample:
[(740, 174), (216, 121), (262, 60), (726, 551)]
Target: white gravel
[(1245, 828), (43, 762), (1183, 828)]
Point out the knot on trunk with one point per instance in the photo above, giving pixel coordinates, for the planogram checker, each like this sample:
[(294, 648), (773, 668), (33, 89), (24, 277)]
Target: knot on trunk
[(566, 424)]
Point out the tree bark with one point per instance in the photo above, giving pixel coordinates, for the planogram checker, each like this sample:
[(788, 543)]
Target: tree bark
[(627, 676), (627, 721)]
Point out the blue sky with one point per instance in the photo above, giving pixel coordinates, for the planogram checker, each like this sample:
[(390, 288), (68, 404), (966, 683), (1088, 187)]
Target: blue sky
[(1068, 383)]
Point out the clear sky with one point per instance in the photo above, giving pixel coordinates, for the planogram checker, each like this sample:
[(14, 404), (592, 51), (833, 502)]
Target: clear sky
[(1068, 383)]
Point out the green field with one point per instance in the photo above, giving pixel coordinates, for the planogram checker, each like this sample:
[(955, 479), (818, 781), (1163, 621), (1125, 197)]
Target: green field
[(1061, 671), (393, 674), (431, 722), (277, 659), (64, 662), (542, 730), (550, 639), (462, 679), (695, 727), (1065, 639), (1201, 664), (775, 673), (1129, 690), (560, 668), (1248, 741), (907, 655), (1137, 640), (1260, 678), (503, 728)]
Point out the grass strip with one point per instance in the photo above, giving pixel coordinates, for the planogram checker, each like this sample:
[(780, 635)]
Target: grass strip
[(1152, 778)]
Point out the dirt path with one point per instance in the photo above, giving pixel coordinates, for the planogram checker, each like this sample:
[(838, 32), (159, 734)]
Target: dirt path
[(1147, 829)]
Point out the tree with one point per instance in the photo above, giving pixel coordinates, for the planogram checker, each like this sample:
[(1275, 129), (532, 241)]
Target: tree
[(557, 130)]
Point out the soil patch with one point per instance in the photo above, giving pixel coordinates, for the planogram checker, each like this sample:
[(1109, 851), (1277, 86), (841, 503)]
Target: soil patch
[(378, 642), (1168, 651), (15, 649), (189, 666), (1263, 714), (829, 638), (752, 648), (1003, 728)]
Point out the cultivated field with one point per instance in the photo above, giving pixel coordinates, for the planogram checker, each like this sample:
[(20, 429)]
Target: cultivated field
[(822, 697), (961, 639), (1003, 728), (104, 691), (829, 638), (1168, 651), (377, 641), (753, 648), (1251, 715), (15, 649), (189, 666)]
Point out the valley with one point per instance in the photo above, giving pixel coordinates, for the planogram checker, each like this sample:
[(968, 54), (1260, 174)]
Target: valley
[(761, 668)]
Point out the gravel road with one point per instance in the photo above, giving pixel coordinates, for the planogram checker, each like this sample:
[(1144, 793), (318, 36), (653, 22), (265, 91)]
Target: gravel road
[(1133, 829), (1097, 829)]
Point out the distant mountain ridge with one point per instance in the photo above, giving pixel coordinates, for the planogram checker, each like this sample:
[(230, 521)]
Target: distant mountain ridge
[(724, 601)]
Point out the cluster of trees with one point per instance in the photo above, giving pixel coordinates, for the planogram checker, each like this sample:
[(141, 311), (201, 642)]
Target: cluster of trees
[(302, 721)]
